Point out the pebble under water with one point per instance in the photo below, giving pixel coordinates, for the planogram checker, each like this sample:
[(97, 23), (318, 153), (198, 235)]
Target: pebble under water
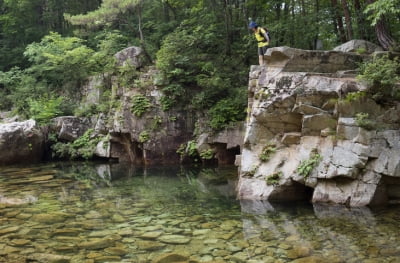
[(88, 212)]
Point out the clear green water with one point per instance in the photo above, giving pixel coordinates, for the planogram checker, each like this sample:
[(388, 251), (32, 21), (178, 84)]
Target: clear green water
[(77, 212)]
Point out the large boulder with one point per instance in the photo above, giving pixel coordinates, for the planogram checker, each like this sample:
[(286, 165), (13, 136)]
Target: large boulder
[(131, 55), (297, 60), (357, 45), (21, 142)]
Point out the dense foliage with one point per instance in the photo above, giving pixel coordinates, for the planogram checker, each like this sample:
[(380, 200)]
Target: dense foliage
[(203, 47)]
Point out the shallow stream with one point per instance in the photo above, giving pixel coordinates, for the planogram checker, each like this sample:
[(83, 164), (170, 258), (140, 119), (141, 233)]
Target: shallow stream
[(88, 212)]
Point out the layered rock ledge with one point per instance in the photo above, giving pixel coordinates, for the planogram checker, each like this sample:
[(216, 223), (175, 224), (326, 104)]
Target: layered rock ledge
[(305, 139)]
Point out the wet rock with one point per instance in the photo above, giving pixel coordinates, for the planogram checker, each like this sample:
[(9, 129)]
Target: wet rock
[(109, 259), (9, 250), (50, 258), (174, 239), (170, 258), (118, 218), (66, 248), (20, 242), (116, 251), (311, 259), (50, 218), (93, 215), (201, 232), (97, 243), (7, 230), (67, 232), (240, 257), (298, 252), (151, 235), (389, 252), (149, 245), (101, 233)]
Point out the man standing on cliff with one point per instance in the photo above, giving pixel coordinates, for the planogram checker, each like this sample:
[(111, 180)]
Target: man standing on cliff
[(262, 39)]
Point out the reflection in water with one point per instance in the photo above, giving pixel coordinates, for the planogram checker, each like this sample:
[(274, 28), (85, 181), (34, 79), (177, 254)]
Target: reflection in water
[(85, 212)]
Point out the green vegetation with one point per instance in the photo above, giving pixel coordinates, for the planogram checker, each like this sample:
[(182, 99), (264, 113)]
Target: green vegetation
[(44, 109), (83, 147), (274, 178), (362, 119), (266, 152), (354, 96), (381, 71), (207, 154), (251, 173), (144, 136), (140, 104), (191, 148), (308, 165)]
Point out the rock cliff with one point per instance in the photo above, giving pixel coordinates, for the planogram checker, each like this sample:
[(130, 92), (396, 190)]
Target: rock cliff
[(312, 134), (141, 131)]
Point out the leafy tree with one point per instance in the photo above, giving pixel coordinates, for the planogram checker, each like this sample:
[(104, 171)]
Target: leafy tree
[(61, 63)]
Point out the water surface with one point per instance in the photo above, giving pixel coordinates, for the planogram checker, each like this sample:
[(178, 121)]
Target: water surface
[(88, 212)]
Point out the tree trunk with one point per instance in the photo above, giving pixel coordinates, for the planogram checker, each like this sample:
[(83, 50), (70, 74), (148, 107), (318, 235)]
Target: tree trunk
[(347, 18), (339, 22), (228, 27), (362, 27), (142, 43), (315, 42), (383, 35)]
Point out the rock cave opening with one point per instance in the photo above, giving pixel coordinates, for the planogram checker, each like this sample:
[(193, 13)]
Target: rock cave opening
[(126, 150), (388, 191), (224, 155), (293, 192)]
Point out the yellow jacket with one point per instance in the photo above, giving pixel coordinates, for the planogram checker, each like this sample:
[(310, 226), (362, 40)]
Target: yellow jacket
[(259, 36)]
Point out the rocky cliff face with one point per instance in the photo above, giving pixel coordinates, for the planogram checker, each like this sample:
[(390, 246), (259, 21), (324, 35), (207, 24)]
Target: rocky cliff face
[(308, 135), (141, 132)]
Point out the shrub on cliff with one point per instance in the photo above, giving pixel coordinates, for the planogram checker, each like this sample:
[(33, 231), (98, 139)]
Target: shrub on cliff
[(382, 74)]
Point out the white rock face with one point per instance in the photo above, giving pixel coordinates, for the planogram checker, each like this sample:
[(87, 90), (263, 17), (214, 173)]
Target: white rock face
[(322, 152), (21, 142)]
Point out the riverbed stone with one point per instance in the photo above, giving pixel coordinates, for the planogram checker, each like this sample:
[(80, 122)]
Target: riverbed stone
[(151, 235), (51, 258), (109, 259), (310, 259), (149, 245), (50, 218), (97, 243), (174, 239), (116, 251), (7, 230), (170, 258), (298, 252), (20, 242)]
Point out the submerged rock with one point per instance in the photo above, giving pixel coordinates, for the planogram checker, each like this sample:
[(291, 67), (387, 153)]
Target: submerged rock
[(174, 239)]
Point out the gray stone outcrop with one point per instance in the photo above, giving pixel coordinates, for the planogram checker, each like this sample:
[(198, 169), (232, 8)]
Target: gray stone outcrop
[(133, 56), (358, 45), (300, 113), (21, 142), (70, 128)]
